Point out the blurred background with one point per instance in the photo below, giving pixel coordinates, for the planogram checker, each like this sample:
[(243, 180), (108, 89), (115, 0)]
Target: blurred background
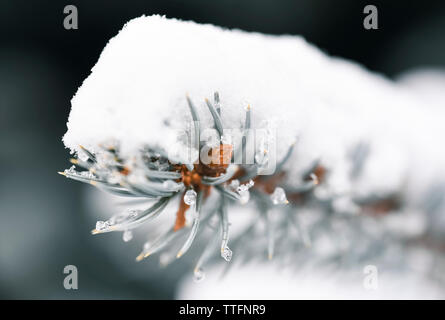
[(45, 220)]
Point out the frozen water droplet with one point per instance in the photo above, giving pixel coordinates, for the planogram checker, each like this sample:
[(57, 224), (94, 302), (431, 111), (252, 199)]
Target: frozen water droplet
[(125, 216), (87, 174), (244, 197), (245, 187), (147, 245), (127, 235), (133, 213), (102, 225), (243, 191), (71, 170), (314, 178), (261, 157), (199, 275), (262, 153), (279, 196), (234, 184), (190, 197), (226, 253)]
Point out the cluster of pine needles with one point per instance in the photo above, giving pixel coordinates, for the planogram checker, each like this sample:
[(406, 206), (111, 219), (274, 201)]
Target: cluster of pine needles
[(153, 176)]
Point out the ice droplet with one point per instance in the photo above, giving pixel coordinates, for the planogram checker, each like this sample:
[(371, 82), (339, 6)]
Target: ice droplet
[(244, 196), (127, 235), (190, 197), (243, 191), (314, 178), (245, 187), (262, 158), (87, 174), (226, 253), (147, 245), (234, 184), (199, 275), (262, 153), (102, 225), (279, 196), (125, 216), (71, 170), (133, 213)]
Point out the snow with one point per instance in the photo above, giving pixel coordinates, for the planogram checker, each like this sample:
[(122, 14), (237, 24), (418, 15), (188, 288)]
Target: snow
[(267, 281), (136, 92)]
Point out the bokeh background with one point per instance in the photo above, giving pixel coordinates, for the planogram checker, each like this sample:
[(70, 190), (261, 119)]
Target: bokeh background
[(45, 219)]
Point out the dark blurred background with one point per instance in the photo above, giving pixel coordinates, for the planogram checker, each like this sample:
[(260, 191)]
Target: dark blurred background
[(44, 218)]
